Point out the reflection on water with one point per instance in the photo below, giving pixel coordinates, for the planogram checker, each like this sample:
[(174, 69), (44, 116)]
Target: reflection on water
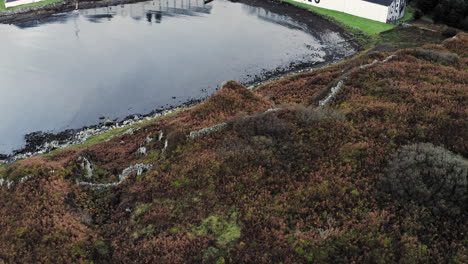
[(326, 37), (67, 70), (152, 11)]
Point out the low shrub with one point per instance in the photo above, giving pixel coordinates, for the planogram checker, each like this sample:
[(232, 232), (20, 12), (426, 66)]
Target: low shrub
[(449, 32), (458, 45), (312, 115), (444, 58), (175, 138), (429, 176), (265, 124)]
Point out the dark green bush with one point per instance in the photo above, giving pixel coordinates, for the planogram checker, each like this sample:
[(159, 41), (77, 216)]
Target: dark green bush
[(417, 14), (450, 12), (464, 24), (449, 32), (429, 176), (425, 5)]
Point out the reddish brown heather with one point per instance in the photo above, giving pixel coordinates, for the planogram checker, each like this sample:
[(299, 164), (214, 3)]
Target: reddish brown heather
[(269, 188), (305, 87)]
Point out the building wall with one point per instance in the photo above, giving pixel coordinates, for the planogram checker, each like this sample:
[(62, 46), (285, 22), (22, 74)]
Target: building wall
[(354, 7), (396, 10)]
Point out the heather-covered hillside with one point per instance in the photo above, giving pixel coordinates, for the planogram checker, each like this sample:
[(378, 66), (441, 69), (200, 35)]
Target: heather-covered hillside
[(285, 173)]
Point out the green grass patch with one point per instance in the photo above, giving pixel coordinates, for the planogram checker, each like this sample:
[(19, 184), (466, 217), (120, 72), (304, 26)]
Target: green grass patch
[(403, 38), (46, 2), (104, 136), (408, 15), (367, 26)]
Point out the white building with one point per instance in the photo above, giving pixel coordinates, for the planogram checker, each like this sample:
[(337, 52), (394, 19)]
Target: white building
[(380, 10)]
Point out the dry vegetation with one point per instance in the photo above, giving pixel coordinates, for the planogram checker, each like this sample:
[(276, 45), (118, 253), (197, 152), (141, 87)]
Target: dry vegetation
[(294, 186)]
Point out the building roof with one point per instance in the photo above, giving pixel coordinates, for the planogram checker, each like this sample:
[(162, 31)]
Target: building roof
[(381, 2)]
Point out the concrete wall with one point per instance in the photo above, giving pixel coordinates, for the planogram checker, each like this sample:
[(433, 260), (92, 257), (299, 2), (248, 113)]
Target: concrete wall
[(354, 7)]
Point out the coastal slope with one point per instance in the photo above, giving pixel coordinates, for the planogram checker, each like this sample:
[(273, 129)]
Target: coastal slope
[(290, 172)]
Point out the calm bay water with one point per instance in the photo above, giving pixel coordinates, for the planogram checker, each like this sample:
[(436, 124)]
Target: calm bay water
[(68, 70)]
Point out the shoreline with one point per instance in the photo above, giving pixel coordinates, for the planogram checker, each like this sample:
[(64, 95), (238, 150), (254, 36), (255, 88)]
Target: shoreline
[(40, 142), (23, 15), (43, 142)]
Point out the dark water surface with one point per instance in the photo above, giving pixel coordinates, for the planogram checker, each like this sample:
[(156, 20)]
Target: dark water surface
[(68, 70)]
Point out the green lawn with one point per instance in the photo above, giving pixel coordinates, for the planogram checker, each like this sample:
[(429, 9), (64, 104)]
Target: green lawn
[(2, 4), (369, 27)]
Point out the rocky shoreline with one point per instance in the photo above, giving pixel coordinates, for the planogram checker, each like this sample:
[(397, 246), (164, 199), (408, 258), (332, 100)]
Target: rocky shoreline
[(23, 15), (38, 143)]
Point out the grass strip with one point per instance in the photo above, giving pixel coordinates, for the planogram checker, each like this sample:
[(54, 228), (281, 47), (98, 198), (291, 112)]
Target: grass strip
[(3, 8), (367, 26)]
